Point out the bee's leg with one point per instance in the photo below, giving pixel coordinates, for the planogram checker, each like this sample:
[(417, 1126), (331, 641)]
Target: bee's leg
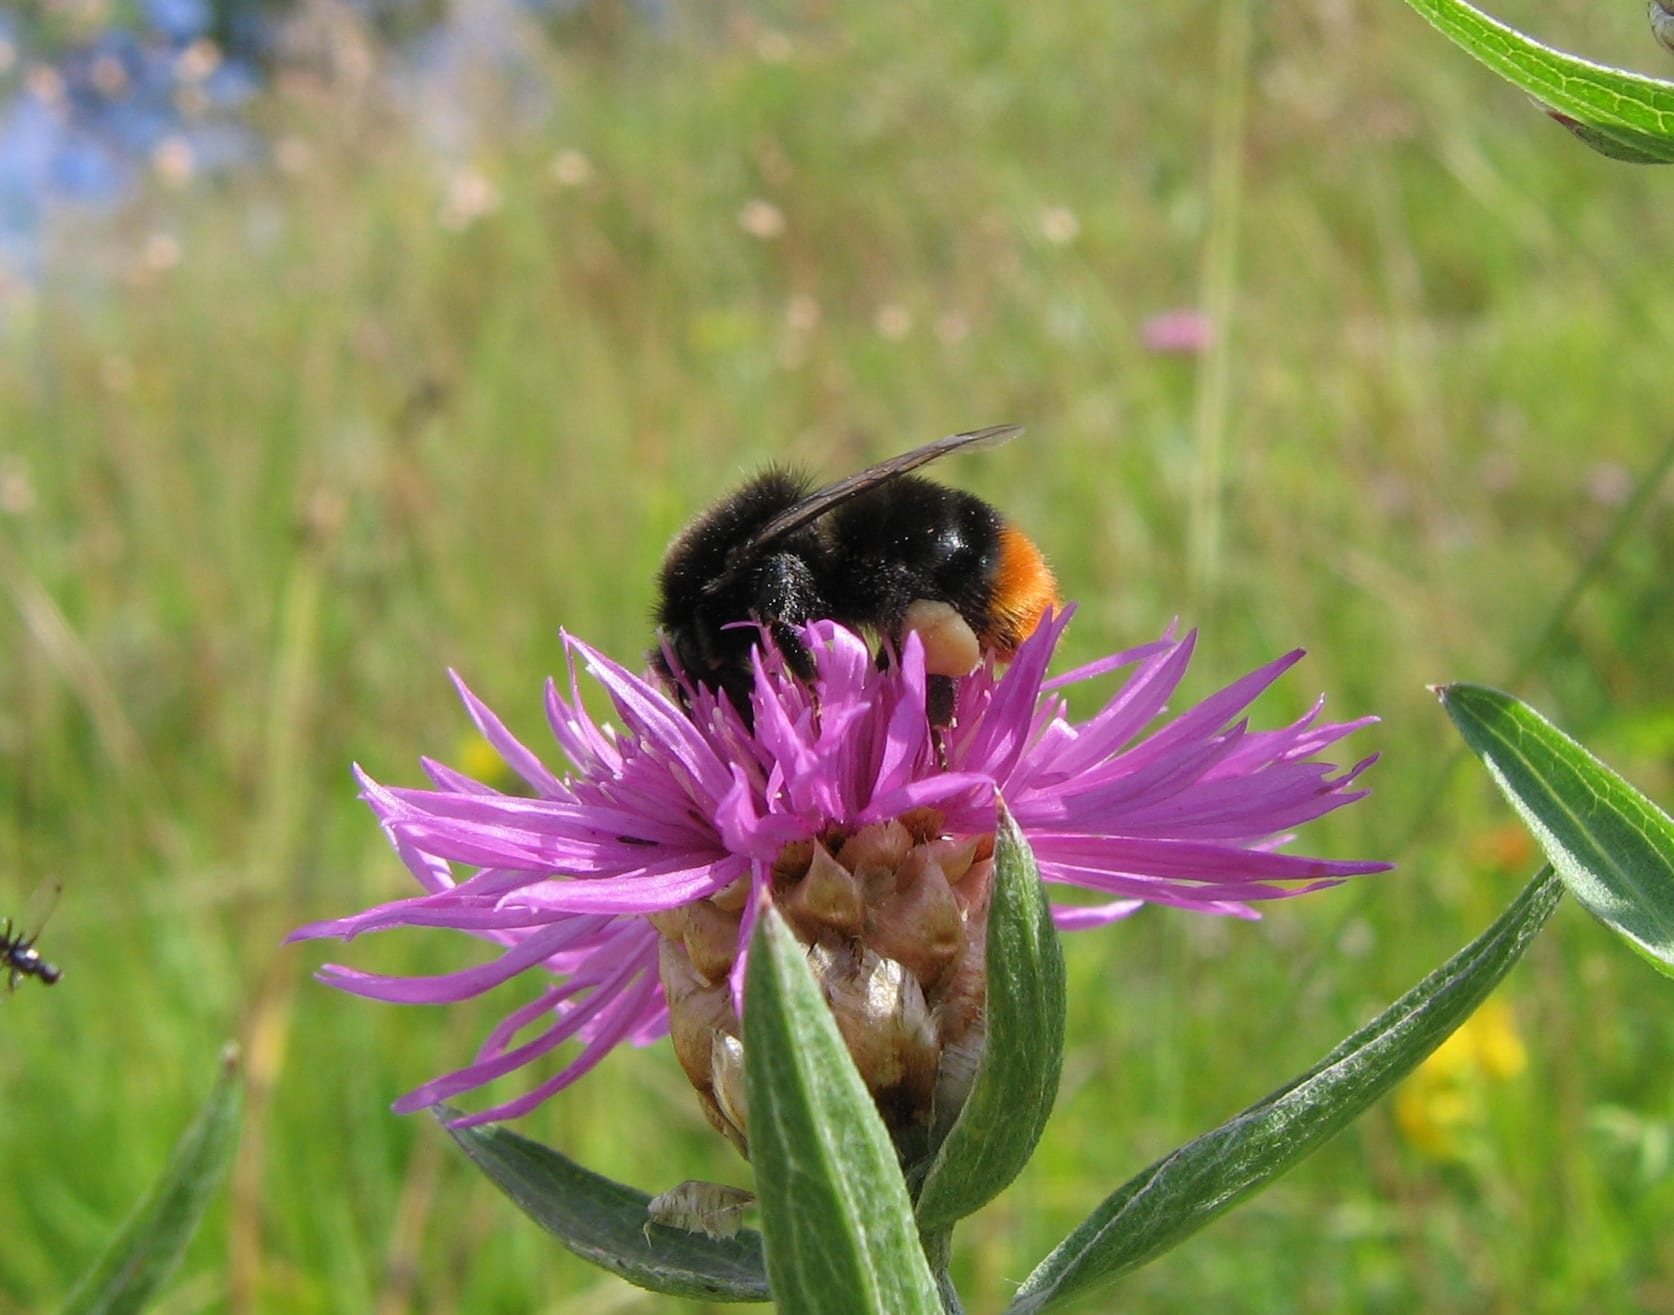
[(939, 695), (785, 595), (797, 657), (798, 660), (938, 701)]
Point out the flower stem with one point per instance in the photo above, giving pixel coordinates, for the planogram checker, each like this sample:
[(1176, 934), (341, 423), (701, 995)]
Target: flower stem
[(938, 1248)]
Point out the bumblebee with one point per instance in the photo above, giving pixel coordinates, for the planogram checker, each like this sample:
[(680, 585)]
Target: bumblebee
[(884, 551)]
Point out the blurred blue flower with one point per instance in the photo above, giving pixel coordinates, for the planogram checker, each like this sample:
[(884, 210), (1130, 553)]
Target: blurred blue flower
[(83, 126), (179, 20), (162, 89)]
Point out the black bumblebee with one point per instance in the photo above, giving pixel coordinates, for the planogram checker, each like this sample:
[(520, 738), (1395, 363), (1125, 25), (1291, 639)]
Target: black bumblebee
[(883, 550), (18, 956)]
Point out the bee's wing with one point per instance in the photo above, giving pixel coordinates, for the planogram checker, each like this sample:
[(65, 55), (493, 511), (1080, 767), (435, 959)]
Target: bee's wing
[(37, 909), (817, 503)]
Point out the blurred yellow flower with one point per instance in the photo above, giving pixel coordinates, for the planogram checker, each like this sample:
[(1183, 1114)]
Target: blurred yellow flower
[(1446, 1098), (480, 760)]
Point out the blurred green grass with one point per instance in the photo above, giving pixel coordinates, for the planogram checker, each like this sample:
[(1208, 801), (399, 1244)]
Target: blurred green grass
[(261, 496)]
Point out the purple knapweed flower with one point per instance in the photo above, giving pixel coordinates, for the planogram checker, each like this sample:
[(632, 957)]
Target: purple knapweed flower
[(634, 881), (1182, 331)]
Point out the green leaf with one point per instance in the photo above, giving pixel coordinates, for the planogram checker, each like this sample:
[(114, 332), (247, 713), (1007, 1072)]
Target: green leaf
[(1182, 1192), (1612, 846), (147, 1247), (604, 1221), (1622, 114), (1017, 1079), (838, 1226)]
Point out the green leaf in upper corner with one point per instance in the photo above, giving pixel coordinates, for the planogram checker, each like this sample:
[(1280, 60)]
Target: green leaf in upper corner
[(1017, 1079), (837, 1224), (605, 1222), (1624, 115), (1182, 1192), (149, 1245), (1612, 846)]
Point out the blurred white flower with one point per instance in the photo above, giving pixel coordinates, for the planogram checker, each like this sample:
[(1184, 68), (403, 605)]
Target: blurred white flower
[(774, 47), (1609, 483), (1059, 225), (17, 490), (109, 77), (293, 155), (761, 219), (894, 322), (571, 168), (161, 252), (952, 327), (197, 61), (470, 195), (174, 161)]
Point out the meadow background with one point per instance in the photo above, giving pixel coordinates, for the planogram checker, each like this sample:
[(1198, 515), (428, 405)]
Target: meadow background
[(280, 445)]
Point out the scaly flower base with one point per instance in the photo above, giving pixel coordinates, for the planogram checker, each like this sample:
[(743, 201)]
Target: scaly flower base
[(894, 917)]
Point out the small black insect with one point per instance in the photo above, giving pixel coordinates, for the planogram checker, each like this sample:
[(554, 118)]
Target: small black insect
[(18, 956), (882, 550)]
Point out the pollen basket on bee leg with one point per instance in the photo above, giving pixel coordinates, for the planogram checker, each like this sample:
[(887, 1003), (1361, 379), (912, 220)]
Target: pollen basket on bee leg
[(950, 645)]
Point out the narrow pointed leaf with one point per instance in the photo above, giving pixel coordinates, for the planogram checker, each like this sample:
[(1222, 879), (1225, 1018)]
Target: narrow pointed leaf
[(1017, 1080), (146, 1249), (1624, 115), (1630, 148), (839, 1229), (1182, 1192), (605, 1222), (1612, 846)]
